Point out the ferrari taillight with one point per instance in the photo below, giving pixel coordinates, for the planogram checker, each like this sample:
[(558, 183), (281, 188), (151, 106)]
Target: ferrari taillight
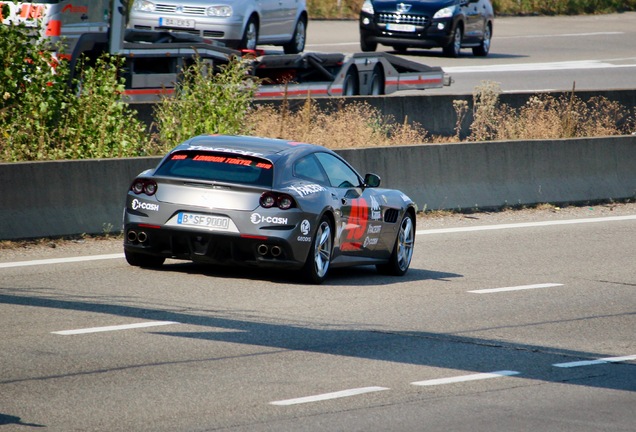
[(285, 202), (280, 200), (268, 200), (145, 186)]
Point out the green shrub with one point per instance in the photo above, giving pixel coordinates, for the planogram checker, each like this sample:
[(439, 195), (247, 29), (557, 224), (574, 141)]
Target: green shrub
[(32, 93), (206, 101), (42, 118), (97, 123)]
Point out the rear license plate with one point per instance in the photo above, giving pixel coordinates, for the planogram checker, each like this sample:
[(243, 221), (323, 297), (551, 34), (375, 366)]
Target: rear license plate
[(176, 22), (410, 28), (217, 222)]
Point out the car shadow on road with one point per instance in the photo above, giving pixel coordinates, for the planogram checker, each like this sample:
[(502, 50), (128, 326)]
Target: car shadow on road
[(6, 419), (466, 53), (355, 276), (454, 351)]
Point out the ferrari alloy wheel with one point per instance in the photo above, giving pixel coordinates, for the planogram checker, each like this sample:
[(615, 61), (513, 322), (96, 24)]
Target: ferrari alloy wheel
[(317, 264), (405, 242), (400, 259)]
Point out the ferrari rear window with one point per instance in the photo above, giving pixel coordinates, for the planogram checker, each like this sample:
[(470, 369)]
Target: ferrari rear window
[(217, 166)]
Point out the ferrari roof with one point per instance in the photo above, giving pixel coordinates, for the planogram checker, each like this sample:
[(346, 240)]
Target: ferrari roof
[(239, 144)]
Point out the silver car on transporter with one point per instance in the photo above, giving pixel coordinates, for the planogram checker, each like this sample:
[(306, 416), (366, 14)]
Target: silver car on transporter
[(239, 24), (240, 200)]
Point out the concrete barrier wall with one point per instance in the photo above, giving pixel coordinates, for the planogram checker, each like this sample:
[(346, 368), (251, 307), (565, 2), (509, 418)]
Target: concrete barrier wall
[(496, 174), (61, 198)]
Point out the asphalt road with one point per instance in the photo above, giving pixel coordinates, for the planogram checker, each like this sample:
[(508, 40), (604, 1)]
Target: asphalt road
[(527, 54), (486, 332)]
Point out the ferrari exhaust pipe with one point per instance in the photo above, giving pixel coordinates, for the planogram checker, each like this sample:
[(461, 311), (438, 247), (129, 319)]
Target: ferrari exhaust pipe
[(142, 237), (132, 236), (262, 249), (276, 251)]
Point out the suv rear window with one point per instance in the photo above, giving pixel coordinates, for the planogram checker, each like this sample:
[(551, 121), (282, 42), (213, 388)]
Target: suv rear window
[(216, 166)]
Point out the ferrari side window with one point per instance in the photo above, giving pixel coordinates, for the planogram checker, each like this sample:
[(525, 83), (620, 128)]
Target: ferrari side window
[(339, 173), (308, 168)]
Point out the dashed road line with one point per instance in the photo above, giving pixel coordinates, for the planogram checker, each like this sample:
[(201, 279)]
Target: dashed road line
[(365, 390), (526, 225), (464, 378), (60, 260), (595, 362), (114, 328), (515, 288), (328, 396), (529, 67)]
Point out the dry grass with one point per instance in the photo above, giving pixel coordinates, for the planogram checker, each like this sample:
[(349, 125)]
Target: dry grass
[(358, 125), (546, 117), (339, 127)]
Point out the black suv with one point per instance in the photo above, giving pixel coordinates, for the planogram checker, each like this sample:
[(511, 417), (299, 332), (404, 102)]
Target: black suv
[(449, 24)]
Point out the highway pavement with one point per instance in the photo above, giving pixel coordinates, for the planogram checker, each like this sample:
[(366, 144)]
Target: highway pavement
[(510, 321), (528, 54)]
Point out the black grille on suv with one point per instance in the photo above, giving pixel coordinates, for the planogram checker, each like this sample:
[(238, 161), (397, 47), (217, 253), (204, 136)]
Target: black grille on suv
[(395, 18)]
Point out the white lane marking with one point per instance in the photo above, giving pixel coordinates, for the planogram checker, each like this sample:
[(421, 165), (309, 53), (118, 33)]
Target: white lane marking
[(114, 328), (60, 260), (332, 44), (464, 378), (561, 35), (526, 225), (328, 396), (595, 362), (515, 288), (523, 67)]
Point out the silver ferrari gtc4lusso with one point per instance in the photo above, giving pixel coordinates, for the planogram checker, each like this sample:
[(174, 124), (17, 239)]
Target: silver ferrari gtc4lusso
[(241, 200)]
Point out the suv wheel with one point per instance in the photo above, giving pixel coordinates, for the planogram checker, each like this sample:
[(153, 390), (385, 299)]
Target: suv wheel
[(455, 44), (484, 47), (366, 45)]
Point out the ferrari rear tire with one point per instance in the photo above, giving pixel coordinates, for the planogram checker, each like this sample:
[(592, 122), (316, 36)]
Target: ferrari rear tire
[(143, 260), (317, 264), (400, 259)]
